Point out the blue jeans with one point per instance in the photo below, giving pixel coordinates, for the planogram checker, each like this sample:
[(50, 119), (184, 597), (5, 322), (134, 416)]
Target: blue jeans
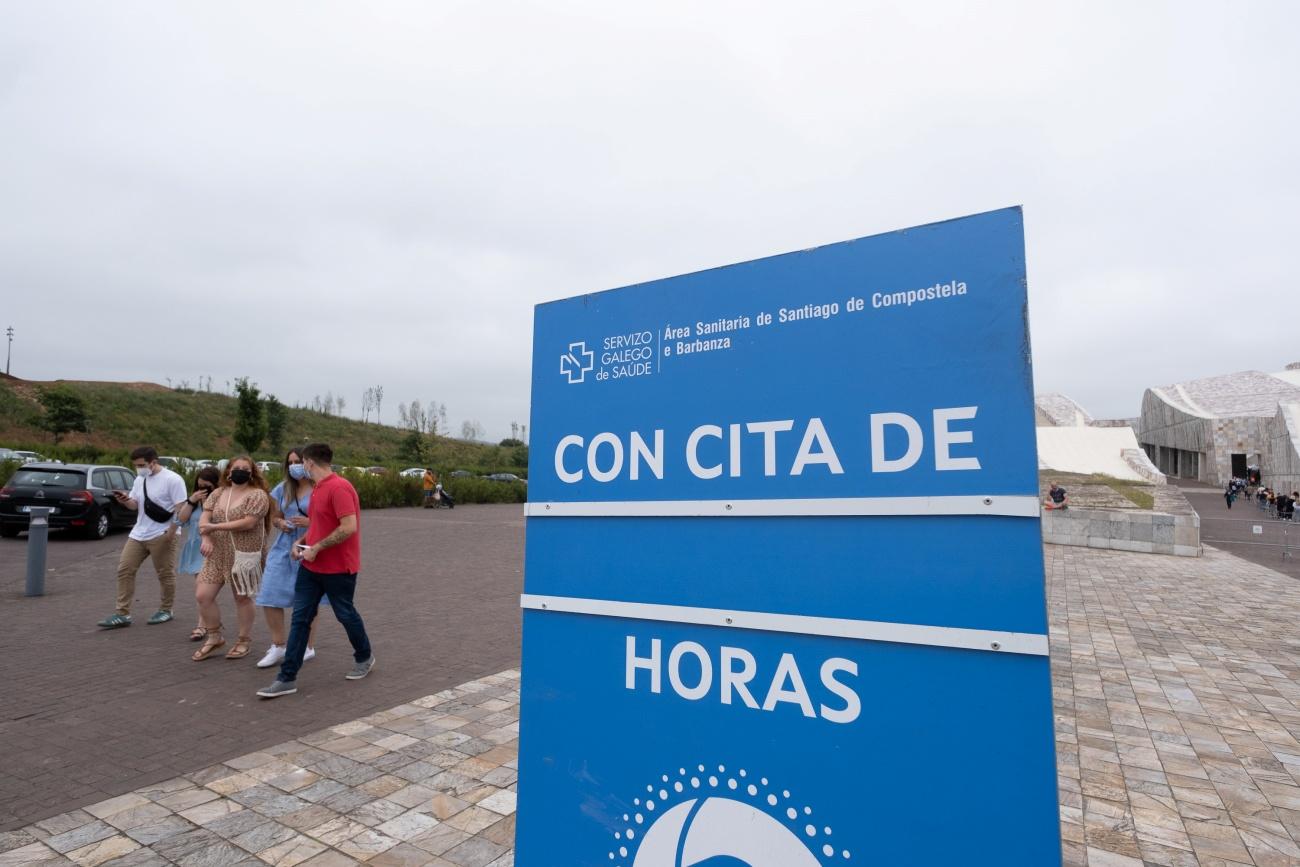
[(307, 592)]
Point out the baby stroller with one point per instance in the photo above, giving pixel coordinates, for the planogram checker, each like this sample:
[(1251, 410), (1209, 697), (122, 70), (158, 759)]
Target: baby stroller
[(442, 497)]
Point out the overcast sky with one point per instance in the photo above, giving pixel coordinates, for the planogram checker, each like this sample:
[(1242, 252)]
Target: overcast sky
[(183, 183)]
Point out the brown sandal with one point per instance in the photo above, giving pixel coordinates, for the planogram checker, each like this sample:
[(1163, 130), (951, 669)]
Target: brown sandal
[(198, 634), (209, 646), (243, 645)]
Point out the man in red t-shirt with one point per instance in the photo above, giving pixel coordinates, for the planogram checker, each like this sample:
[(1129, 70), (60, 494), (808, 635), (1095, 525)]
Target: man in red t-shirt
[(330, 557)]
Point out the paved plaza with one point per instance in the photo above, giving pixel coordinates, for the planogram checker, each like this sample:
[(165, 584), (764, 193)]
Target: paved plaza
[(1175, 682), (88, 714)]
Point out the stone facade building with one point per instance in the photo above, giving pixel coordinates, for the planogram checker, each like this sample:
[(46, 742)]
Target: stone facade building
[(1212, 429)]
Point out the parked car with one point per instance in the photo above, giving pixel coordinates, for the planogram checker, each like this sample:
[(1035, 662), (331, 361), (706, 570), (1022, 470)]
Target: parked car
[(180, 465), (79, 496), (30, 457), (377, 471), (205, 462), (460, 474), (504, 477), (408, 473), (8, 455), (269, 466)]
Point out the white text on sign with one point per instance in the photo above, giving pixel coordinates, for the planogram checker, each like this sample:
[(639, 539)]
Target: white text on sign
[(736, 679), (609, 456)]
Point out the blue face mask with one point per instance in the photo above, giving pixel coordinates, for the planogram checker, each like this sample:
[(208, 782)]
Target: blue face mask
[(298, 471)]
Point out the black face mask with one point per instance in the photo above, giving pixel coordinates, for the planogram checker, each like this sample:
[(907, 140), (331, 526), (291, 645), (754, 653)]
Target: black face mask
[(240, 477)]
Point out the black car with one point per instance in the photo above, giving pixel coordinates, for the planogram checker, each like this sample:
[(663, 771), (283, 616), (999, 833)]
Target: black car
[(79, 496), (504, 477)]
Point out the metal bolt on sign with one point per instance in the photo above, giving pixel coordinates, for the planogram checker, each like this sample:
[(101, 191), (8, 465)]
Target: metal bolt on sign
[(38, 534)]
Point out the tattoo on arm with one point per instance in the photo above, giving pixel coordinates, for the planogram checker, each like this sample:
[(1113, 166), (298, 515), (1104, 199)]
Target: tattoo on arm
[(334, 538)]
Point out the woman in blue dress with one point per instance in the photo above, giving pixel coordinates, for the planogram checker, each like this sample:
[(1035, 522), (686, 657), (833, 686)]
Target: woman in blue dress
[(189, 561), (290, 501)]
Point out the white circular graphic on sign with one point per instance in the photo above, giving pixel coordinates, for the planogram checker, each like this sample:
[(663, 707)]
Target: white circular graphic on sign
[(707, 819)]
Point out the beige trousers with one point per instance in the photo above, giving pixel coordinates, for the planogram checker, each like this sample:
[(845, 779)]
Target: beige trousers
[(162, 550)]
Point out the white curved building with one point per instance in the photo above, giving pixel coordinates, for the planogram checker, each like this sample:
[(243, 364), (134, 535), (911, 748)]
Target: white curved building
[(1214, 428)]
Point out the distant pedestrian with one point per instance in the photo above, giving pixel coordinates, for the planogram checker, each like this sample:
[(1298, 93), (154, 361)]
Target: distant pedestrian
[(190, 559), (152, 538), (234, 527), (1056, 497), (1229, 494), (430, 483), (290, 502), (329, 560)]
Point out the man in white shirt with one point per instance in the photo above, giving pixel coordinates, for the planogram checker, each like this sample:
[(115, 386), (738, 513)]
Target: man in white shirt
[(155, 496)]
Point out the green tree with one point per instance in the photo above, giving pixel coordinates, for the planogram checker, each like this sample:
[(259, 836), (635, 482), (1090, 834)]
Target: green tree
[(65, 412), (276, 418), (413, 447), (250, 420)]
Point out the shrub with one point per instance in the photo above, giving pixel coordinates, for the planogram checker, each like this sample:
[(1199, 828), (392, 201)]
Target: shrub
[(473, 490)]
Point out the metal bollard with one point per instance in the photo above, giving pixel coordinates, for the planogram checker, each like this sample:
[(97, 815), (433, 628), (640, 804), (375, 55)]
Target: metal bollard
[(38, 535)]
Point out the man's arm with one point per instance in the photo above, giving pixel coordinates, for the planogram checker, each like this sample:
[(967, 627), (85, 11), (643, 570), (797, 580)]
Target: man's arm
[(347, 526)]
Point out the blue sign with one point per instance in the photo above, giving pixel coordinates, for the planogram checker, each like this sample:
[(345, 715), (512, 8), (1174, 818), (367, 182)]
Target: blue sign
[(784, 597)]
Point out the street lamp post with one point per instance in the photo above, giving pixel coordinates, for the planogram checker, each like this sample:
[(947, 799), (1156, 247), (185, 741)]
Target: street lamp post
[(10, 351)]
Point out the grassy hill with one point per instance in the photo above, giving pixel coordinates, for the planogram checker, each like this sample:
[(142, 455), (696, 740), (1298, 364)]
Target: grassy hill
[(199, 425)]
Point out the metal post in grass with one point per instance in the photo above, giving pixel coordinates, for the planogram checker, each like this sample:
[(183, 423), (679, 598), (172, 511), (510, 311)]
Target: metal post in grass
[(38, 535)]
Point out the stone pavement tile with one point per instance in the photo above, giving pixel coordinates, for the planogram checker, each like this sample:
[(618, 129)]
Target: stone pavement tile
[(367, 844), (309, 817), (502, 833), (473, 820), (16, 839), (221, 854), (142, 857), (294, 779), (331, 858), (60, 823), (32, 853), (382, 787), (475, 852), (412, 795), (443, 806), (336, 831), (408, 826), (186, 798), (134, 817), (115, 805), (263, 837), (234, 824), (104, 850), (502, 801), (168, 826), (206, 814), (406, 855), (177, 847), (77, 837), (440, 839), (376, 812), (292, 851)]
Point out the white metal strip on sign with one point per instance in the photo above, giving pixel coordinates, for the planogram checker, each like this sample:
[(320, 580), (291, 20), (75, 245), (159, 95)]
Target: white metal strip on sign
[(1029, 643), (978, 504)]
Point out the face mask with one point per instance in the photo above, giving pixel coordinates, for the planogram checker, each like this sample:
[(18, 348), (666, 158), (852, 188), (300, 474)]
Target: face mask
[(298, 471), (240, 477), (143, 472)]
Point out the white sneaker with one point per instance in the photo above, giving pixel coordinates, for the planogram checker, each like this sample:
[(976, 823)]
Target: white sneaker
[(310, 654), (274, 656)]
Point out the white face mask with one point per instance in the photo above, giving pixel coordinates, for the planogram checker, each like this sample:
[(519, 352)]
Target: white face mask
[(143, 472)]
